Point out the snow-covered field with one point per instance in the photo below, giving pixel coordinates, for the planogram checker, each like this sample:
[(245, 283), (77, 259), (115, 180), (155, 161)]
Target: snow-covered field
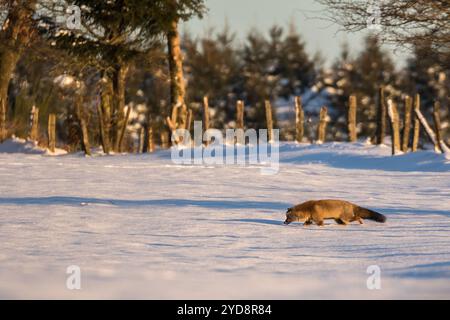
[(140, 226)]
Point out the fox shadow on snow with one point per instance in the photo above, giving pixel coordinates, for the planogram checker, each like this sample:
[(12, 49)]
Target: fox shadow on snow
[(212, 204)]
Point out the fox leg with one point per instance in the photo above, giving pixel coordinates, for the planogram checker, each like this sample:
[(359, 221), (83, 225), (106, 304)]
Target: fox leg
[(307, 222), (340, 221), (316, 217), (319, 223), (357, 219)]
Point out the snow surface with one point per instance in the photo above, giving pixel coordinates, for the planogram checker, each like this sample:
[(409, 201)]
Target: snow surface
[(18, 145), (140, 226)]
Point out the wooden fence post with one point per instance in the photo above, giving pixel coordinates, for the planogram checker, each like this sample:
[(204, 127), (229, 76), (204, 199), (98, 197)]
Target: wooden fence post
[(407, 124), (240, 115), (437, 125), (439, 145), (150, 140), (189, 120), (322, 128), (34, 131), (352, 118), (51, 131), (416, 134), (381, 120), (299, 120), (164, 139), (395, 128), (206, 116), (141, 148), (269, 121)]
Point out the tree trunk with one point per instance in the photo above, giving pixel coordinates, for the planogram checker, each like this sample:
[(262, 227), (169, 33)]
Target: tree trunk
[(8, 61), (177, 85), (381, 121), (352, 119), (118, 81), (395, 127), (85, 145), (322, 128), (103, 135), (105, 112), (51, 131), (123, 129), (407, 124), (269, 121), (299, 120), (15, 34)]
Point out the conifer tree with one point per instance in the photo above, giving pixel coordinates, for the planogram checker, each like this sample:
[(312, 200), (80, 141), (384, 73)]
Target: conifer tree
[(212, 69), (260, 58), (296, 68)]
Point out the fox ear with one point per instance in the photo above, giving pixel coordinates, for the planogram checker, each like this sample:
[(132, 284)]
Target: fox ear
[(289, 210)]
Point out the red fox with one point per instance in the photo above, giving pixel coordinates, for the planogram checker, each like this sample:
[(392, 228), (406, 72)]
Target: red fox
[(343, 212)]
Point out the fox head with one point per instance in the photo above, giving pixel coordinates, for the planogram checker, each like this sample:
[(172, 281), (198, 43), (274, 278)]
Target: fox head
[(289, 216), (292, 216)]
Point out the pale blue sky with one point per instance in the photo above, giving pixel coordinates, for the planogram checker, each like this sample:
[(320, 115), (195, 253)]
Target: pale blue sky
[(242, 15)]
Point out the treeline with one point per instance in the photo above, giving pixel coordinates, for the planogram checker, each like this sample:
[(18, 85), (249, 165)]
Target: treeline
[(124, 75)]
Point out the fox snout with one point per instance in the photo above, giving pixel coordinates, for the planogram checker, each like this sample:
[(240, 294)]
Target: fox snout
[(288, 216)]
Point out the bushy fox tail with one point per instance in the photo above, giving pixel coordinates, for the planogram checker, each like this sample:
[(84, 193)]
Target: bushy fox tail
[(369, 214)]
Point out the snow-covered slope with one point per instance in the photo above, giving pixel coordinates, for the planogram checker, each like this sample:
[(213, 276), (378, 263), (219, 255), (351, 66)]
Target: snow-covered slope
[(18, 145), (140, 226)]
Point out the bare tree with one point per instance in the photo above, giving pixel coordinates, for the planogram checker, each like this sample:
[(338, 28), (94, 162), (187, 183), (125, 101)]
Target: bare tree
[(402, 22)]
